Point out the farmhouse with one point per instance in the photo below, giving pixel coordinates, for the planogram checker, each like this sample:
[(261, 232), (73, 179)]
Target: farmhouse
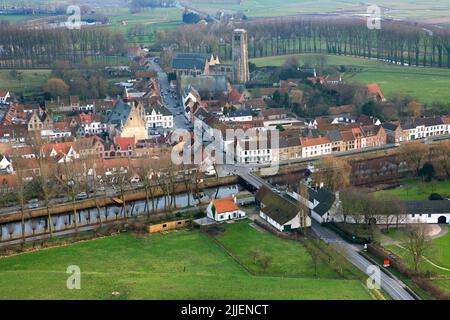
[(224, 209), (280, 211), (428, 211)]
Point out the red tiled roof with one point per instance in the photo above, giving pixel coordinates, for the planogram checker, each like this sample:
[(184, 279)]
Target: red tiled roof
[(225, 205), (374, 89), (307, 142), (3, 93), (61, 147), (125, 142)]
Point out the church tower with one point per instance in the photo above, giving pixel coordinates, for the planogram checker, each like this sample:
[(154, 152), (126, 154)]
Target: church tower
[(240, 72)]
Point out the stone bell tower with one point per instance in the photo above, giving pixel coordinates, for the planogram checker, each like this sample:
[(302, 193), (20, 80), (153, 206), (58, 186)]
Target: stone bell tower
[(240, 72)]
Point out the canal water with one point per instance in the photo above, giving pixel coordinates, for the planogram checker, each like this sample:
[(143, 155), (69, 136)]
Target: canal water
[(110, 213)]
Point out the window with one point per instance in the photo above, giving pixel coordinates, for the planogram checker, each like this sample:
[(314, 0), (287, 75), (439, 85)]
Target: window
[(164, 225)]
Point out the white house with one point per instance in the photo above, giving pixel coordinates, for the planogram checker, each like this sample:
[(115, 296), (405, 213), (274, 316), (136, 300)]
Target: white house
[(280, 212), (224, 209), (5, 165), (158, 117), (420, 128), (254, 151), (313, 147), (321, 202), (95, 127), (4, 96), (237, 116)]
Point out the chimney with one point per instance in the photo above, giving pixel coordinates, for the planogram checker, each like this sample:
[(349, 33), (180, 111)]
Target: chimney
[(234, 198)]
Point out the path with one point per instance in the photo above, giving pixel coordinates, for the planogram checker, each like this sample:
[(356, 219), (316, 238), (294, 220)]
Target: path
[(394, 287)]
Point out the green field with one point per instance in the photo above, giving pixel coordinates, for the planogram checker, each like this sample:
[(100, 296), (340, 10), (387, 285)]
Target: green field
[(417, 190), (289, 258), (122, 20), (402, 9), (438, 252), (178, 265), (32, 81), (425, 84)]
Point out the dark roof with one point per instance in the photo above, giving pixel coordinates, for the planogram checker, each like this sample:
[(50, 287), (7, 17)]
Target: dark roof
[(159, 109), (190, 61), (280, 209), (389, 126), (334, 135), (427, 122), (325, 198), (427, 206)]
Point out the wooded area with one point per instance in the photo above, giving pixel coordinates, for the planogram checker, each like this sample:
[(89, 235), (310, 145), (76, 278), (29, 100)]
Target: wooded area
[(398, 42)]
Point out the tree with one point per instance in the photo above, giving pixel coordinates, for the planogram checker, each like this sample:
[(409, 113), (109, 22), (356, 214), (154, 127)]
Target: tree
[(56, 87), (291, 63), (45, 176), (427, 171), (254, 253), (333, 172), (276, 97), (416, 243), (414, 109), (414, 153), (20, 191), (265, 261), (442, 152)]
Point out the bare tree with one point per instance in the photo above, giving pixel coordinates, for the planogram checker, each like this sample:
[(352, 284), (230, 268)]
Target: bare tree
[(416, 243), (333, 172), (45, 175), (414, 153)]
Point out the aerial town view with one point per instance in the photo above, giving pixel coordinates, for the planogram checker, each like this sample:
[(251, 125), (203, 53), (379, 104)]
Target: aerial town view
[(224, 150)]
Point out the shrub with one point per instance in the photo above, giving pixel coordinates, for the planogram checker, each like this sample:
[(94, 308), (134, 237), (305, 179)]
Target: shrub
[(435, 196)]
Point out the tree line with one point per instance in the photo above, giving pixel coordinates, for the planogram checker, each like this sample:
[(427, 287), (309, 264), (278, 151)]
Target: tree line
[(397, 42), (37, 48)]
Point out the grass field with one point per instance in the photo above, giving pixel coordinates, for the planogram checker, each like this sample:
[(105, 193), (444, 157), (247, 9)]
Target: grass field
[(289, 258), (177, 265), (121, 20), (425, 84), (438, 252), (417, 190), (403, 9), (32, 81)]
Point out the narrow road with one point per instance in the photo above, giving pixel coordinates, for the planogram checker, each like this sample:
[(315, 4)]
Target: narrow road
[(395, 288)]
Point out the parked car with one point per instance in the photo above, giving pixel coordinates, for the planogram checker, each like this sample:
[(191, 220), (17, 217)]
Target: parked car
[(33, 204), (81, 196)]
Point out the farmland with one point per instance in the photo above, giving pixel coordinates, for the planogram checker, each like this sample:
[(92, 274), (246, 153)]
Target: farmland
[(178, 265), (420, 10), (423, 83)]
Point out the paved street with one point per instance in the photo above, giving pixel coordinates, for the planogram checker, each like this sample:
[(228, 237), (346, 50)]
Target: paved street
[(171, 103), (395, 288)]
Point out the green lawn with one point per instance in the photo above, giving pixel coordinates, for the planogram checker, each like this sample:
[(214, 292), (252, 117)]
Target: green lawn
[(177, 265), (122, 20), (417, 190), (425, 84), (32, 80), (438, 251), (289, 258)]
